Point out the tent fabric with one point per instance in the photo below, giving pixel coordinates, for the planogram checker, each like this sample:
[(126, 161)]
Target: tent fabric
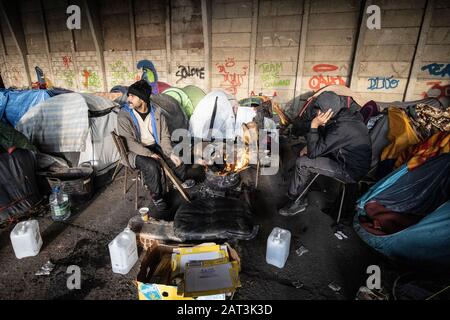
[(195, 94), (222, 121), (18, 185), (77, 125), (421, 192), (59, 124), (407, 104), (214, 218), (15, 103), (171, 109), (401, 134), (182, 98)]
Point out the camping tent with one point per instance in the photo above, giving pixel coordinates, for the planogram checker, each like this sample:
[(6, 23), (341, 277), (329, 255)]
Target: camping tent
[(170, 108), (188, 97), (76, 125), (213, 117), (406, 215)]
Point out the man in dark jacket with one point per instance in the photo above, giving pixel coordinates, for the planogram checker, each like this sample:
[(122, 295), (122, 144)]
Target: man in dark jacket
[(146, 132), (338, 145)]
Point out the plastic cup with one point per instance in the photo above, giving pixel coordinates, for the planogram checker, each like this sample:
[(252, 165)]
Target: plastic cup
[(144, 213)]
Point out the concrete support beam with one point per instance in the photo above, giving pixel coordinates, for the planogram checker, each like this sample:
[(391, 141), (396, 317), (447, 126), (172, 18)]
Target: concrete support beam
[(169, 41), (46, 40), (301, 52), (207, 41), (254, 36), (93, 18), (133, 32), (359, 46), (10, 15), (418, 54)]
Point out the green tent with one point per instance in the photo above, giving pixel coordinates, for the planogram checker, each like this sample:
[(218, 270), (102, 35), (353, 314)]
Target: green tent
[(188, 97)]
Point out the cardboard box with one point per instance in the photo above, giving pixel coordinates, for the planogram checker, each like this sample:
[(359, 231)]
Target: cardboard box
[(195, 276)]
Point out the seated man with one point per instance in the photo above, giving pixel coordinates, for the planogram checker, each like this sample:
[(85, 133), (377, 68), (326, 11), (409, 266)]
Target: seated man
[(338, 145), (148, 140)]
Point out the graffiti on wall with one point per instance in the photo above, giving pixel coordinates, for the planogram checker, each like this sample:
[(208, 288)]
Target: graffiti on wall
[(67, 61), (437, 90), (90, 79), (270, 75), (185, 72), (378, 83), (437, 69), (120, 73), (320, 80), (233, 76)]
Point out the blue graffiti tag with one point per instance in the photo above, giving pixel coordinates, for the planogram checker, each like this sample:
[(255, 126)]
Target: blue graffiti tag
[(378, 83), (438, 69)]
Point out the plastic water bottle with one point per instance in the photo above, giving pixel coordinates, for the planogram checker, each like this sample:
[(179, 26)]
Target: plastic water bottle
[(123, 251), (278, 245), (59, 204), (26, 239)]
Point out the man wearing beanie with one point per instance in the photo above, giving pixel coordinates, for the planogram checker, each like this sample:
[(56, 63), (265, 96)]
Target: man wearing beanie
[(148, 139)]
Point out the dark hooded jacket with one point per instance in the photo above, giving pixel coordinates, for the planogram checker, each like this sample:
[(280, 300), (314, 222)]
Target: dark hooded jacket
[(345, 138)]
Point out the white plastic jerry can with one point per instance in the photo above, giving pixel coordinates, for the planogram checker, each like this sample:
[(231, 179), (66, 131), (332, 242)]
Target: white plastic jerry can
[(26, 239), (278, 245), (123, 251)]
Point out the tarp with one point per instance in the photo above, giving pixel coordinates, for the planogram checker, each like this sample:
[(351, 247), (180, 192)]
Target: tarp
[(209, 115), (11, 138), (15, 103), (18, 185), (424, 191)]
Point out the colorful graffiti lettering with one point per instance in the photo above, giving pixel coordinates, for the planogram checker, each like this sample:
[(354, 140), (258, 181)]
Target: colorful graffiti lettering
[(231, 80), (91, 79), (67, 61), (187, 72), (319, 81), (437, 90), (378, 83), (438, 69), (271, 75), (120, 74), (68, 77)]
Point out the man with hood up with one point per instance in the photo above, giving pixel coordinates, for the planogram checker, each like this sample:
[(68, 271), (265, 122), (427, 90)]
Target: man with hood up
[(338, 145)]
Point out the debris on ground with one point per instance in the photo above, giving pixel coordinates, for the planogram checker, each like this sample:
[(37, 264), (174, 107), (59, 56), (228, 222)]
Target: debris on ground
[(365, 293), (46, 269), (333, 286), (298, 284), (301, 251)]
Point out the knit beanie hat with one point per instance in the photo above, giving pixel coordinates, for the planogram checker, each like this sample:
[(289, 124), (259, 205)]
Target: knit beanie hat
[(142, 90)]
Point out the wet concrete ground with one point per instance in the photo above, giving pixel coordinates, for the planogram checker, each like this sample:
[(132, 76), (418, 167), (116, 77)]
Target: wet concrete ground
[(83, 241)]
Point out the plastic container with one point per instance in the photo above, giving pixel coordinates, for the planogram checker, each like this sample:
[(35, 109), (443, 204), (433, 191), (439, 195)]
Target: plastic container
[(26, 239), (123, 252), (59, 204), (278, 245)]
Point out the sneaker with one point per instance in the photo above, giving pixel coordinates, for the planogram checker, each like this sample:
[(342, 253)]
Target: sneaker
[(160, 205), (292, 208), (188, 184)]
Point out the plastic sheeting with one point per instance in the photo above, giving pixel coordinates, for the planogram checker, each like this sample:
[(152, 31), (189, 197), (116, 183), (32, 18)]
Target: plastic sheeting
[(18, 185), (14, 103), (214, 218)]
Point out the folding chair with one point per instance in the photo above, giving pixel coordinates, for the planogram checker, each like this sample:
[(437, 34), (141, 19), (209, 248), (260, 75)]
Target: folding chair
[(344, 186), (120, 145)]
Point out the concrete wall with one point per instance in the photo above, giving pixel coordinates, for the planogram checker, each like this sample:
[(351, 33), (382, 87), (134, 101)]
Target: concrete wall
[(277, 47)]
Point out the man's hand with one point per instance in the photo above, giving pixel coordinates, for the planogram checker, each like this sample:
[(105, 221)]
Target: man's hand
[(176, 160), (155, 156), (321, 119), (304, 151)]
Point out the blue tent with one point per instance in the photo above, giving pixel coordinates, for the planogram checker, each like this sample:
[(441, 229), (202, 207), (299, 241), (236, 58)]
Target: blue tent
[(15, 103), (424, 191)]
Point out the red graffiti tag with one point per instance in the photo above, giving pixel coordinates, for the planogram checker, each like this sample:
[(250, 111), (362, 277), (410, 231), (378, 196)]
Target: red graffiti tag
[(67, 61), (231, 80), (319, 81), (86, 75), (436, 90)]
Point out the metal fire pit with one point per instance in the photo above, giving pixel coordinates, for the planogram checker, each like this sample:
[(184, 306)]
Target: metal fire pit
[(222, 182)]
